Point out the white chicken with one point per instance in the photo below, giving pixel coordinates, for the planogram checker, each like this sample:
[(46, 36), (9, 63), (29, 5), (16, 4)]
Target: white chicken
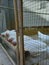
[(29, 44), (4, 33), (43, 37)]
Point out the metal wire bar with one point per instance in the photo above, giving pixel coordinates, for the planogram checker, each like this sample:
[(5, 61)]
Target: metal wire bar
[(35, 12), (5, 7)]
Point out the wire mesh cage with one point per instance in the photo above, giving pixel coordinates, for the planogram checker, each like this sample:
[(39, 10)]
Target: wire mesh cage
[(36, 25), (33, 18), (31, 32)]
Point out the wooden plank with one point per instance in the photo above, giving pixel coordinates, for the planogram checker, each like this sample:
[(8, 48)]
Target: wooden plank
[(37, 27), (17, 30), (20, 18), (33, 31)]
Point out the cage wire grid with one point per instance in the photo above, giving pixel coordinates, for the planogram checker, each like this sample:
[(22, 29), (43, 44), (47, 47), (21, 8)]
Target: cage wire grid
[(35, 16)]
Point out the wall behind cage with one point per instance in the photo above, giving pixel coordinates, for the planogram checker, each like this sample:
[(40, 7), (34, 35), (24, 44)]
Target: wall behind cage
[(33, 23), (9, 13)]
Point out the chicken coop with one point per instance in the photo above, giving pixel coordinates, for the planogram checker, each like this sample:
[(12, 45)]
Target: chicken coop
[(24, 32)]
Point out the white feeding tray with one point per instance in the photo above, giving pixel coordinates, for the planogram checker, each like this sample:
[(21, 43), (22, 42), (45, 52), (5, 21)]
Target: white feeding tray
[(5, 59)]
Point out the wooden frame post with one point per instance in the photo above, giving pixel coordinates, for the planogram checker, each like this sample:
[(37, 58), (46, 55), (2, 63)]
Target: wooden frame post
[(21, 43), (18, 10), (17, 31)]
